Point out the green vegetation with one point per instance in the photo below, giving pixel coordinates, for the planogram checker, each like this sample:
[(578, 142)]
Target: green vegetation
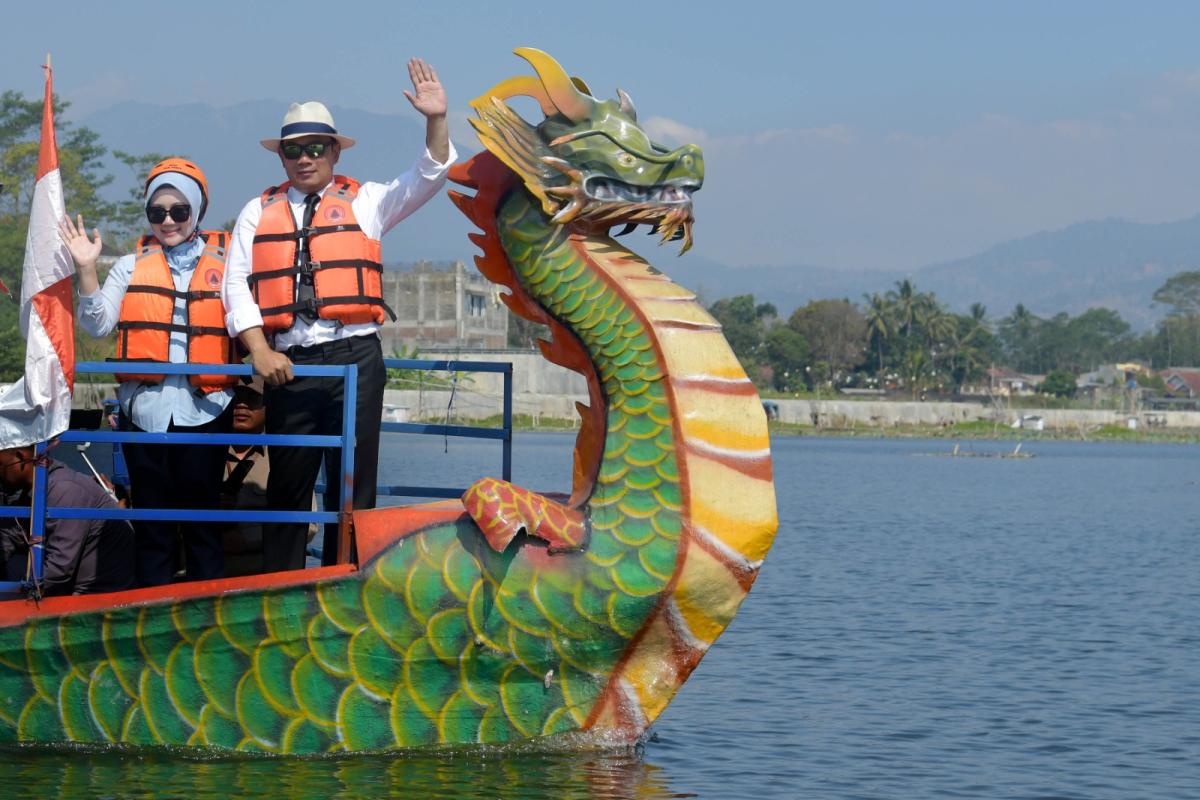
[(84, 174), (1058, 383), (985, 429), (907, 340)]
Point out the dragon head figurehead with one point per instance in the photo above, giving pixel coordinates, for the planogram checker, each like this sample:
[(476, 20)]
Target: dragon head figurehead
[(588, 162)]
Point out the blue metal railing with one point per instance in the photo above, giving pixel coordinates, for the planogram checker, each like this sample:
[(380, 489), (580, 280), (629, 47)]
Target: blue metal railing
[(39, 512), (503, 433)]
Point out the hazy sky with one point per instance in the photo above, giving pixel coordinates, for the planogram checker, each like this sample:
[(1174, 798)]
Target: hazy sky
[(844, 134)]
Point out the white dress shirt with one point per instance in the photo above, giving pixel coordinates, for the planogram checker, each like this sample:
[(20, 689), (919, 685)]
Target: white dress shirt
[(377, 207), (154, 406)]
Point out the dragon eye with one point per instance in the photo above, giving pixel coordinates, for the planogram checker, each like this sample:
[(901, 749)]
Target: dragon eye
[(626, 159)]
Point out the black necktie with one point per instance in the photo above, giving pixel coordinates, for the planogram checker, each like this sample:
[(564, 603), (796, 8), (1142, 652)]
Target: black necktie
[(304, 290)]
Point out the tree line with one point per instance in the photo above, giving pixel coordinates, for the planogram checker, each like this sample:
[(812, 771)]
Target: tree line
[(907, 339), (84, 164)]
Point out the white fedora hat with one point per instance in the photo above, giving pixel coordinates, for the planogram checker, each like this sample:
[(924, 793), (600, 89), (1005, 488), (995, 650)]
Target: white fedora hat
[(307, 119)]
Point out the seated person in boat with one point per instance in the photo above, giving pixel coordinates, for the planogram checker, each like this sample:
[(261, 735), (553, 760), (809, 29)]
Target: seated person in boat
[(245, 485), (164, 302), (80, 556)]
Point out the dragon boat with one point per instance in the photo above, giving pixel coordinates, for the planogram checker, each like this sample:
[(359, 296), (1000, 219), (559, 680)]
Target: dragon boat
[(507, 615)]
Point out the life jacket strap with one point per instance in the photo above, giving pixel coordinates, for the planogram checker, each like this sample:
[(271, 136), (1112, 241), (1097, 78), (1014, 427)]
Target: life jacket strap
[(206, 330), (288, 236), (117, 359), (170, 327), (314, 266), (266, 275), (357, 298), (311, 306), (159, 290), (302, 233), (358, 263)]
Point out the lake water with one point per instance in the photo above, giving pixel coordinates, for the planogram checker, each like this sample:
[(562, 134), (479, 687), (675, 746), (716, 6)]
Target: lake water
[(924, 627)]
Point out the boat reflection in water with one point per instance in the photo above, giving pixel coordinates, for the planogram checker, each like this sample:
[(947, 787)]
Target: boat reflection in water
[(477, 773)]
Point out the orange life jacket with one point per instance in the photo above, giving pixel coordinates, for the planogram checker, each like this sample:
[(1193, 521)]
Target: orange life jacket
[(344, 265), (146, 323)]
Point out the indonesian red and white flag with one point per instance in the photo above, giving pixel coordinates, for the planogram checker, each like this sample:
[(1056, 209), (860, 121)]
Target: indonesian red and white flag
[(38, 406)]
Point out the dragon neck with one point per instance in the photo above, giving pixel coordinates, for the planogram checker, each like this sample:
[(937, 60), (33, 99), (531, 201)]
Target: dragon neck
[(673, 466), (599, 291)]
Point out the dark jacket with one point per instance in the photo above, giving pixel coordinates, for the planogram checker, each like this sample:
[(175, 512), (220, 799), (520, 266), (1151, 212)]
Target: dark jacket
[(81, 556)]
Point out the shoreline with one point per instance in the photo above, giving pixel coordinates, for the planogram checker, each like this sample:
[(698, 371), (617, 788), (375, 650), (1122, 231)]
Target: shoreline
[(968, 431), (973, 432)]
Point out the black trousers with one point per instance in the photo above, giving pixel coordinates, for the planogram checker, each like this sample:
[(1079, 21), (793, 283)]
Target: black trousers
[(178, 476), (313, 406)]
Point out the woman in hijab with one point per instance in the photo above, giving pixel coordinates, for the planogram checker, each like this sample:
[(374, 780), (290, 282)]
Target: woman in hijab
[(164, 302)]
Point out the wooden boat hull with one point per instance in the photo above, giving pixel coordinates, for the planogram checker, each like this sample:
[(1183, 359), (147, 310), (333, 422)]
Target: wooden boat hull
[(436, 640)]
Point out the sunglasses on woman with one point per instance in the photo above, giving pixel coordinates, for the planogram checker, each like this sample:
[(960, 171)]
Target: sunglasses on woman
[(291, 150), (180, 212)]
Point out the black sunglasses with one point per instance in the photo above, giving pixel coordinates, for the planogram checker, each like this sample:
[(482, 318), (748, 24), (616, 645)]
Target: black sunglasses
[(179, 212), (291, 151)]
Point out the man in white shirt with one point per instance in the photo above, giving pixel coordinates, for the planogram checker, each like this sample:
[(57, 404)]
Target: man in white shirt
[(302, 286)]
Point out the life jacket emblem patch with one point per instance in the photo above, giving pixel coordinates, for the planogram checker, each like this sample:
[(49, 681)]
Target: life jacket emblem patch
[(213, 278), (335, 214)]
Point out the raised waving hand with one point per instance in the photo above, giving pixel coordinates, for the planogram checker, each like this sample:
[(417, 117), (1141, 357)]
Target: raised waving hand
[(84, 251)]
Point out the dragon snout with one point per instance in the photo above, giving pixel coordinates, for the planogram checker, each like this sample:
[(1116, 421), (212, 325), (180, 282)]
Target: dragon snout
[(687, 168)]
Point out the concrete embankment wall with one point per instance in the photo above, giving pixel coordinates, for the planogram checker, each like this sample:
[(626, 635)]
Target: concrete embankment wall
[(832, 414), (435, 405), (542, 389), (876, 414), (839, 414)]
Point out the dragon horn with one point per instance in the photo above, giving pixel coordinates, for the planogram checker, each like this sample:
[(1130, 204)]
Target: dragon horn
[(627, 104), (522, 85), (570, 102)]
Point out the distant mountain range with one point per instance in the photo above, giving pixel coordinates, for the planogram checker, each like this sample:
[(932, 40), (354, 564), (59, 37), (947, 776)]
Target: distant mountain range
[(1108, 263), (1111, 263)]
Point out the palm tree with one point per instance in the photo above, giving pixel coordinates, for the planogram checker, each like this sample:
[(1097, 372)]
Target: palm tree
[(978, 322), (1019, 331), (916, 365), (880, 326), (904, 303), (932, 318), (965, 359), (938, 328)]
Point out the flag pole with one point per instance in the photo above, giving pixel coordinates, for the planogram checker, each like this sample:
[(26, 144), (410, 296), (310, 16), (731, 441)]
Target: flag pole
[(37, 518), (37, 500)]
